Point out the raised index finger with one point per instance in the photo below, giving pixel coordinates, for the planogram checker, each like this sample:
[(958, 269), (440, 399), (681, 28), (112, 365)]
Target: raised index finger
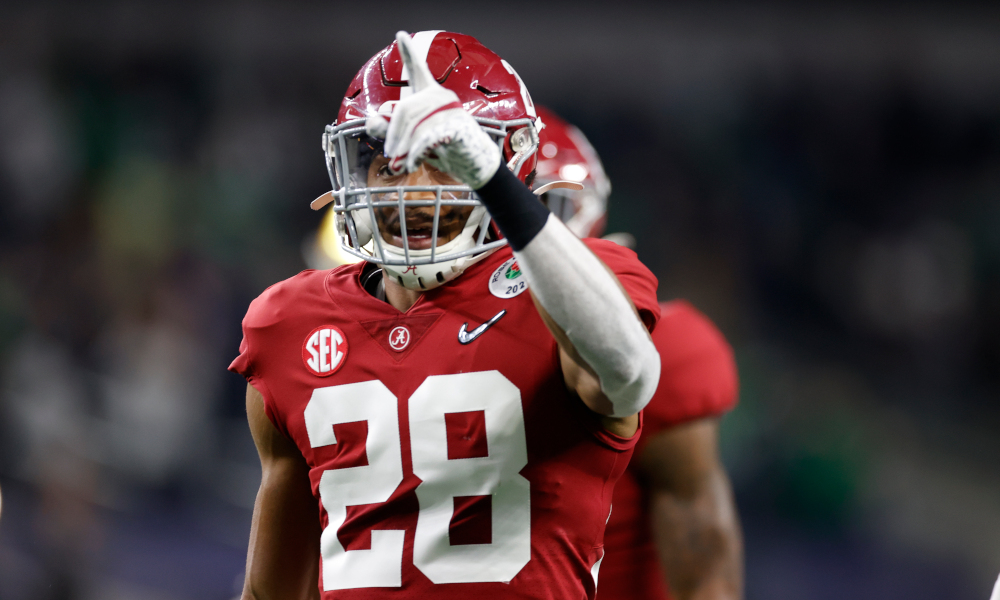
[(419, 73)]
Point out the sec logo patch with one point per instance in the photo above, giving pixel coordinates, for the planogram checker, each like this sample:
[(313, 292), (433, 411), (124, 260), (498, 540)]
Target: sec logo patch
[(508, 280), (324, 350)]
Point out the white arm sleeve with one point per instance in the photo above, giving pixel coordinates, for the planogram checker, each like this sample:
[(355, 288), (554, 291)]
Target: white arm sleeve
[(581, 296)]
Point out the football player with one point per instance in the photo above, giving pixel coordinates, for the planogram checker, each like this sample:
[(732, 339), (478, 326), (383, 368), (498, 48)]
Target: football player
[(674, 513), (461, 401)]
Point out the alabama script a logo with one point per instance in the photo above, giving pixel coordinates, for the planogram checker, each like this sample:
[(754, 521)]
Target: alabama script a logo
[(399, 338)]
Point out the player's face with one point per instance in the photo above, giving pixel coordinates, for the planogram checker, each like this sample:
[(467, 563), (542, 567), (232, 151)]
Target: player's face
[(419, 219)]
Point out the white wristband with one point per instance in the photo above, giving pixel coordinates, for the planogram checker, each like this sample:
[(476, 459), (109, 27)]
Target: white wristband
[(581, 296)]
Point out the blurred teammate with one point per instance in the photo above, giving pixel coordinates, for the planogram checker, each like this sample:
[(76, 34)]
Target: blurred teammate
[(462, 437), (673, 508)]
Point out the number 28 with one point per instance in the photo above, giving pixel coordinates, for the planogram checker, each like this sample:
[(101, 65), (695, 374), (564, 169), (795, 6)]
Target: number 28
[(442, 479)]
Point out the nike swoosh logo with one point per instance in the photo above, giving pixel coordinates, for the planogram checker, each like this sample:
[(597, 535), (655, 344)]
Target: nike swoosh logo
[(467, 337)]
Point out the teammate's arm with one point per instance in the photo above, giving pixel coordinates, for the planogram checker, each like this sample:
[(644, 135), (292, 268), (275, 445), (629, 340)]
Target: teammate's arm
[(283, 554), (694, 519)]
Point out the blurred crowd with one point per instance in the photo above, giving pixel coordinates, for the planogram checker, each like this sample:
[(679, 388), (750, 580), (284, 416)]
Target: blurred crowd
[(840, 222)]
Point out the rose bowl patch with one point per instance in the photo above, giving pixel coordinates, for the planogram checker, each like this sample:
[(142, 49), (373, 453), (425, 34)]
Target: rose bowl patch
[(508, 280)]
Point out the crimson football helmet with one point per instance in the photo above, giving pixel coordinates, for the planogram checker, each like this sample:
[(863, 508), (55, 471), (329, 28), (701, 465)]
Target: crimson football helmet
[(565, 154), (491, 91)]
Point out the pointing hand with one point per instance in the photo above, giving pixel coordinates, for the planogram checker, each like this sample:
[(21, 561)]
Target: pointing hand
[(431, 125)]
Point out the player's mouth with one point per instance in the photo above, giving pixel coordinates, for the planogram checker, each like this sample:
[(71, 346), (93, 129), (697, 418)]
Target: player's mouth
[(418, 236), (420, 229)]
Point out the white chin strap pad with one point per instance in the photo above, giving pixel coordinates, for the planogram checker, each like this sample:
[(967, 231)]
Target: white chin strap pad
[(581, 296)]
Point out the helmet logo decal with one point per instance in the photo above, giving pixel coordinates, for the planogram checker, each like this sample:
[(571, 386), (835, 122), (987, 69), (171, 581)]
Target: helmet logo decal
[(324, 350), (508, 280), (399, 338)]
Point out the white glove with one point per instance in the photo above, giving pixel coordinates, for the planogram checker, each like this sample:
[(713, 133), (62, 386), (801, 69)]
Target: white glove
[(431, 125)]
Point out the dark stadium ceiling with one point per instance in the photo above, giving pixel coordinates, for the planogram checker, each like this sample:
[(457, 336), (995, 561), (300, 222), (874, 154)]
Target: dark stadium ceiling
[(606, 54)]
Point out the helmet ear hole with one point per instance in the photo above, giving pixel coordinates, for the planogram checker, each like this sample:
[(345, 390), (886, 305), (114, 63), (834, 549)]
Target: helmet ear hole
[(519, 139), (520, 148)]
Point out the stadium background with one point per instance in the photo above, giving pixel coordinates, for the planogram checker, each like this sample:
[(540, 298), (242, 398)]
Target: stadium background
[(822, 181)]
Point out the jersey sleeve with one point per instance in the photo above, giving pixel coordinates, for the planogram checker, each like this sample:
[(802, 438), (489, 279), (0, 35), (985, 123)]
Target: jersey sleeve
[(242, 365), (698, 376), (247, 364), (617, 442), (639, 282)]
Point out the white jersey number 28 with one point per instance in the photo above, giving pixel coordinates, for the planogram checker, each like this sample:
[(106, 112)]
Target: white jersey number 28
[(496, 475)]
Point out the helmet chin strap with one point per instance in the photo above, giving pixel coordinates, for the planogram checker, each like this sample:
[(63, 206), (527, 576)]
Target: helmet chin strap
[(430, 276)]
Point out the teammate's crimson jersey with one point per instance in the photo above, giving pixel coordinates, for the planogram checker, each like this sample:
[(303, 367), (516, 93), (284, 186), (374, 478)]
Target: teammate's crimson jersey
[(444, 469), (697, 379)]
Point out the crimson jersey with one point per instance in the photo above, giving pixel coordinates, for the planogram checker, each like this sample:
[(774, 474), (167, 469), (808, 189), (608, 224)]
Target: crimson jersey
[(697, 379), (447, 455)]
